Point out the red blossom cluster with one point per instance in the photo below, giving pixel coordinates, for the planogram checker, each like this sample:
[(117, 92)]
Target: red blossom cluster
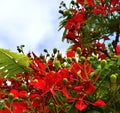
[(81, 32), (45, 84)]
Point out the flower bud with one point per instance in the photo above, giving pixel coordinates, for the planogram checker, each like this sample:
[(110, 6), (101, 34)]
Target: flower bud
[(51, 105), (63, 65), (59, 56), (61, 12), (103, 63), (24, 86), (65, 81), (92, 74), (11, 95), (72, 2), (55, 50), (82, 58), (67, 13), (69, 60), (57, 64), (45, 50), (113, 78), (74, 59), (35, 80), (78, 50), (69, 86)]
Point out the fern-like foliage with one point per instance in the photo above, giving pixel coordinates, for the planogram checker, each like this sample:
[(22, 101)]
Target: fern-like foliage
[(12, 63)]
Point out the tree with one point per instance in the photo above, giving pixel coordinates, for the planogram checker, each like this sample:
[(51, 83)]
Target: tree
[(86, 80)]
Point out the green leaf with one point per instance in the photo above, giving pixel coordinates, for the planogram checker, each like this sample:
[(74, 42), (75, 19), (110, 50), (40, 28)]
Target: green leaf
[(118, 60), (12, 63)]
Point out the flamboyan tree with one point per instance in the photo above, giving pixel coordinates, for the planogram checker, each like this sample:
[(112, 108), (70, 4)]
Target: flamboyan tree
[(85, 80)]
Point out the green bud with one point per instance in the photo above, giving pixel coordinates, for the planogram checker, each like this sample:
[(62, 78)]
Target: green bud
[(37, 98), (69, 60), (95, 57), (113, 78), (65, 80), (59, 56), (74, 59), (45, 50), (103, 63), (92, 74), (24, 86), (11, 96), (17, 99), (67, 12), (72, 2), (78, 50), (64, 60), (63, 65), (82, 58), (48, 55), (57, 64), (51, 105), (55, 50), (69, 86), (61, 12), (109, 45)]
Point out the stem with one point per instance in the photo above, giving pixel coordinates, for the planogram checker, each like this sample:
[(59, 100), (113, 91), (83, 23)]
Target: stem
[(8, 109), (105, 52), (114, 43)]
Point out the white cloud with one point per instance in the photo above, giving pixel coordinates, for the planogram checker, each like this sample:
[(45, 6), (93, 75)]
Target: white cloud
[(28, 22)]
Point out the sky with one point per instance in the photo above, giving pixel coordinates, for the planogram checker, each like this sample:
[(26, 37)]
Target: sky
[(33, 23)]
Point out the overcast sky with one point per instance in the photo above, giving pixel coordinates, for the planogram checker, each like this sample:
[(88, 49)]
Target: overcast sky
[(33, 23)]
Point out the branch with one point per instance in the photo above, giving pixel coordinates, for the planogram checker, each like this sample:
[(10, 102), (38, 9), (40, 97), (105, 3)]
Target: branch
[(114, 43)]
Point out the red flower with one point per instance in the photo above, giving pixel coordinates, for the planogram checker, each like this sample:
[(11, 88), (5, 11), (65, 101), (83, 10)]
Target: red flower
[(100, 45), (38, 65), (70, 54), (118, 49), (22, 94), (90, 2), (1, 94), (84, 69), (4, 111), (81, 1), (99, 102), (65, 92), (114, 9), (36, 100), (70, 24), (88, 87), (14, 92), (114, 2), (106, 38), (1, 81), (38, 84), (78, 18), (102, 56), (80, 105), (70, 35), (100, 10), (19, 107)]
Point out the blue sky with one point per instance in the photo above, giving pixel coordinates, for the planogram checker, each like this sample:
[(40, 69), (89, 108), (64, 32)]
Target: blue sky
[(33, 23)]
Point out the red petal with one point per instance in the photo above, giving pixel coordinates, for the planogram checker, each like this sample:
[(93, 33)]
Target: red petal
[(114, 1), (99, 102), (65, 92), (118, 49), (70, 54), (80, 105)]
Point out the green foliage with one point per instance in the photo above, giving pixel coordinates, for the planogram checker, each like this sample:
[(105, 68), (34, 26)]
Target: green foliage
[(12, 63)]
